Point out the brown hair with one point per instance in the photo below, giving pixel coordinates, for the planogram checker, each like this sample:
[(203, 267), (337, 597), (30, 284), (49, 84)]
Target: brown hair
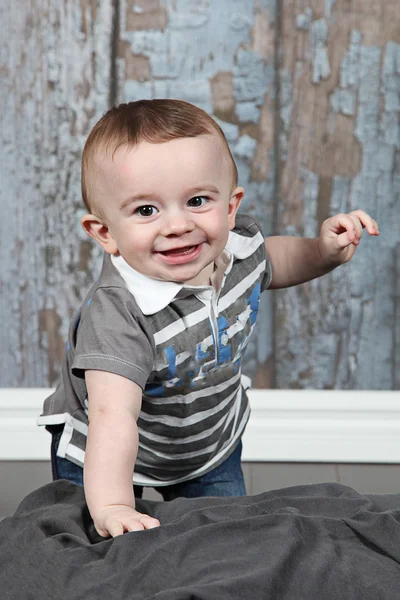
[(154, 121)]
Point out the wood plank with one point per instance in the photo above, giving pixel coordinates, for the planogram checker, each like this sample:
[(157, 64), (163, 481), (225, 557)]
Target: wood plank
[(339, 143), (55, 66)]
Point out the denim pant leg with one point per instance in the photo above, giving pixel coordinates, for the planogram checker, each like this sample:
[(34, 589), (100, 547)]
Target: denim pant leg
[(61, 467), (225, 480)]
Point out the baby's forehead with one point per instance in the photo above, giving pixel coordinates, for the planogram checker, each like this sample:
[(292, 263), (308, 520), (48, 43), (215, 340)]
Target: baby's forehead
[(188, 158), (107, 151)]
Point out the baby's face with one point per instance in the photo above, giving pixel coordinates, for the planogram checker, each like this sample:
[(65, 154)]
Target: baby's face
[(167, 208)]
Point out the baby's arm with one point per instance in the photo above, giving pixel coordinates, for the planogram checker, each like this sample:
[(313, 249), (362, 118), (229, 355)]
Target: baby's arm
[(296, 260), (112, 444)]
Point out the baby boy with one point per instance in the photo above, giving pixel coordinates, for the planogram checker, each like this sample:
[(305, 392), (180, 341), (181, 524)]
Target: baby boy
[(150, 390)]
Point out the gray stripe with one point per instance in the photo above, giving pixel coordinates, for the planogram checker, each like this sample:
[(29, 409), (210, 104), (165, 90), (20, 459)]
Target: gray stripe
[(191, 419), (176, 468)]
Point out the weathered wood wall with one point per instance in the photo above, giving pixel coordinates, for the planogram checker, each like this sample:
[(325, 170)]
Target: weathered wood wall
[(308, 95), (339, 146)]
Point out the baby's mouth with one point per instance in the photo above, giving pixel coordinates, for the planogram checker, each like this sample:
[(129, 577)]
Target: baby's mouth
[(182, 255), (176, 251)]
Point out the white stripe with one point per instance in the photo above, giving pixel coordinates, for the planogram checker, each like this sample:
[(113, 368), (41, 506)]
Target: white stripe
[(162, 439), (178, 456), (204, 371), (75, 452), (192, 396), (242, 246), (241, 287), (58, 419), (207, 342), (179, 359), (237, 408), (65, 437), (180, 325), (140, 479), (192, 419), (202, 314), (80, 427), (241, 322)]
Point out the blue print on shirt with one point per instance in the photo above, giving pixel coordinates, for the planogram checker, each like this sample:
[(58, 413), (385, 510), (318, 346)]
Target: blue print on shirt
[(201, 364), (253, 301), (154, 389), (171, 360)]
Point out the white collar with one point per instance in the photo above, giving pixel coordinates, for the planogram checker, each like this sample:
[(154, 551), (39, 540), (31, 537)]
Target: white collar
[(152, 295)]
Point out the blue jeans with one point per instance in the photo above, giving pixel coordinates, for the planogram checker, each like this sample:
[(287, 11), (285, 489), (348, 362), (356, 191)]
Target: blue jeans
[(225, 480)]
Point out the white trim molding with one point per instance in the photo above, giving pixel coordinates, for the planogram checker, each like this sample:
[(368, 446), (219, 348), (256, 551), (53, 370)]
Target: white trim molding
[(318, 426)]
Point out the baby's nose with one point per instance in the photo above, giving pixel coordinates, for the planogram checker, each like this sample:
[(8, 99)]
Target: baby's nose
[(177, 223)]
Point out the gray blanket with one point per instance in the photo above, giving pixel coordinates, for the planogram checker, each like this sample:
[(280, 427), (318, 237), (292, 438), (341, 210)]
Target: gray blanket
[(313, 542)]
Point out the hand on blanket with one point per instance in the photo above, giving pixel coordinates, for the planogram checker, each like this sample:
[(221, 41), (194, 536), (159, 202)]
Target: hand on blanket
[(341, 234), (116, 520)]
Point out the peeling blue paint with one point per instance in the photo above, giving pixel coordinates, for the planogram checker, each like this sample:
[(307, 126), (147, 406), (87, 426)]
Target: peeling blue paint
[(368, 94), (303, 21), (329, 6), (250, 77), (390, 87), (285, 111), (340, 195), (247, 112), (245, 147), (186, 21), (310, 203), (319, 45)]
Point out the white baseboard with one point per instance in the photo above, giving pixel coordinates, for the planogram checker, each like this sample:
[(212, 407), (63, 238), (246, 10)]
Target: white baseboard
[(315, 426)]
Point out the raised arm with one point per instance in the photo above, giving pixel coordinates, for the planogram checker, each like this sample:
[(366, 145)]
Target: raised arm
[(296, 260), (112, 444)]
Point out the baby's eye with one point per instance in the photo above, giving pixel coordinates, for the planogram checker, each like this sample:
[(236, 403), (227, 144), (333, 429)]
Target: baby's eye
[(146, 211), (198, 201)]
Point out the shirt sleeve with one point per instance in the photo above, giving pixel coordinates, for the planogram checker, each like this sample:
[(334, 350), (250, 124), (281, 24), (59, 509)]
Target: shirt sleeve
[(110, 337), (251, 227), (267, 277)]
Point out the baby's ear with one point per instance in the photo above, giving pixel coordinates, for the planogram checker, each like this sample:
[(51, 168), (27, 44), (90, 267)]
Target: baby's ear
[(97, 229), (234, 203)]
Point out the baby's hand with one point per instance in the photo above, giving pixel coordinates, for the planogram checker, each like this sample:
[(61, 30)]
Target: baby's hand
[(341, 234), (118, 519)]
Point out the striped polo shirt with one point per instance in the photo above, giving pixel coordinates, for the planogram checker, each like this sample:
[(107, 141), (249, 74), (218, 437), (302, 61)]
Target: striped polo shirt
[(183, 345)]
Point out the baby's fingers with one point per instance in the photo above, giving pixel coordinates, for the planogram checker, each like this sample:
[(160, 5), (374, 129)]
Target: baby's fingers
[(366, 221), (120, 519), (116, 528), (149, 522), (140, 523), (343, 240), (352, 230)]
